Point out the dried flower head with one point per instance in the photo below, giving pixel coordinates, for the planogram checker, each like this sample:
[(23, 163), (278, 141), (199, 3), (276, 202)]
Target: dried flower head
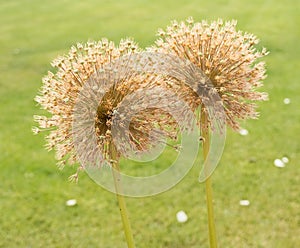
[(228, 58), (94, 62)]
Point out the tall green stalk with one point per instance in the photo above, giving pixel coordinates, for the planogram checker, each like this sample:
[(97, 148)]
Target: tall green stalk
[(208, 184), (121, 200)]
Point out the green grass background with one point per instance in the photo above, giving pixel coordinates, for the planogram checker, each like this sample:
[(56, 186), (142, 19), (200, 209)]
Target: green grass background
[(33, 191)]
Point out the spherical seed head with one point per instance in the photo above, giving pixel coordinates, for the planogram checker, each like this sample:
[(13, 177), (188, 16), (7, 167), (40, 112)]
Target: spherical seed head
[(228, 58), (93, 62)]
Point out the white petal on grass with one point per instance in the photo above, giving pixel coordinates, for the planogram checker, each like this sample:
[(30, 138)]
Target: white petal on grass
[(286, 100), (243, 132), (71, 202), (279, 163), (181, 217), (285, 160), (244, 203)]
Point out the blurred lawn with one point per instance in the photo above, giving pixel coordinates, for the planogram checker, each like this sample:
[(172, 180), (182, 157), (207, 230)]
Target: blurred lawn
[(33, 191)]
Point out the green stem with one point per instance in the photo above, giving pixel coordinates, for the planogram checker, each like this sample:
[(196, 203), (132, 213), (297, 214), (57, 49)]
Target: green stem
[(121, 200), (208, 184), (210, 212)]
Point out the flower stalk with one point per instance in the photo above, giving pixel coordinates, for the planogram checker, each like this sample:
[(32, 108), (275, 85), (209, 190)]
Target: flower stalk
[(120, 198), (208, 183)]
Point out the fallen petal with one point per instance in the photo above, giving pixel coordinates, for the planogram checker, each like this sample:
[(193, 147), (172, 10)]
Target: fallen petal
[(243, 132), (181, 217), (278, 163), (285, 160), (244, 202), (286, 100), (71, 202)]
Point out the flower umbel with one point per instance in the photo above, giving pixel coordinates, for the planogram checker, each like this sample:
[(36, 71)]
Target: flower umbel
[(228, 58), (60, 92)]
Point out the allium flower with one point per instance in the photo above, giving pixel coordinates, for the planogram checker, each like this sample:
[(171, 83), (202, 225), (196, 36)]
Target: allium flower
[(60, 92), (228, 57)]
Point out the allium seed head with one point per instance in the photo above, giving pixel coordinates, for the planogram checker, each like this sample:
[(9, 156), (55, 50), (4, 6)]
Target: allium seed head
[(94, 62), (228, 57)]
